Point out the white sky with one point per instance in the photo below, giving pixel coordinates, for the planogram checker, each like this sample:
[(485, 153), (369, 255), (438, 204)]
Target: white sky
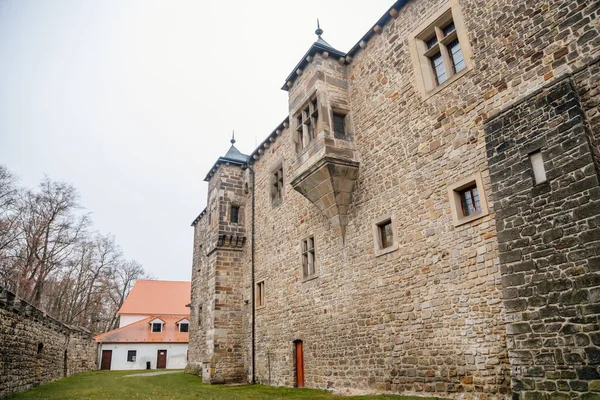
[(133, 101)]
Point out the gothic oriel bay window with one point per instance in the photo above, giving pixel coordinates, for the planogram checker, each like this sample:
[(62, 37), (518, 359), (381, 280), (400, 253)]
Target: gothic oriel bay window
[(308, 257)]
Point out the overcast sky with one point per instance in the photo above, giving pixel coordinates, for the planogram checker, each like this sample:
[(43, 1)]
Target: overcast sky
[(133, 101)]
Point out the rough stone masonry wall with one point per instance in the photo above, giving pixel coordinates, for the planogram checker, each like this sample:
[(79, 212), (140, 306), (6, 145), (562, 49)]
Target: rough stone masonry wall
[(427, 318), (549, 243), (65, 350)]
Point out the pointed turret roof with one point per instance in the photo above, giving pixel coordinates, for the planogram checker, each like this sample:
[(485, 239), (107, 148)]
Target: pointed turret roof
[(233, 156), (319, 46)]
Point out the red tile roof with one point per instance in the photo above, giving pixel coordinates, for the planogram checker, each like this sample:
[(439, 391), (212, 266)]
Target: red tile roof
[(152, 297), (141, 332)]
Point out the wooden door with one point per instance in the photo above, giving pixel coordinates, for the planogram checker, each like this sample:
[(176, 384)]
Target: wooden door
[(106, 359), (299, 364), (161, 359)]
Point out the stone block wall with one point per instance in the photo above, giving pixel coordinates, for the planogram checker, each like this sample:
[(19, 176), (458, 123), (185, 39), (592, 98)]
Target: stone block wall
[(429, 317), (549, 242), (37, 349)]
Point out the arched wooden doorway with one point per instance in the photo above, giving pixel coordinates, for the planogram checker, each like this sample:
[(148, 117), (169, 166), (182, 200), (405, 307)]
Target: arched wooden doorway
[(299, 357)]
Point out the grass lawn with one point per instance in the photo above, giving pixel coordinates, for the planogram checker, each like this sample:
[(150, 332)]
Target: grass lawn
[(114, 385)]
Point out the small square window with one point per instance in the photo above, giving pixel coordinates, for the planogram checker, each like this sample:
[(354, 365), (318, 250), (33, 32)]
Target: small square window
[(260, 294), (184, 327), (156, 327), (308, 257), (537, 164), (383, 233), (131, 354), (339, 123), (234, 215), (467, 200)]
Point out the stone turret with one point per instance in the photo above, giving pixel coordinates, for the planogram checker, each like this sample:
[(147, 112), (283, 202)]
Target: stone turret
[(217, 298)]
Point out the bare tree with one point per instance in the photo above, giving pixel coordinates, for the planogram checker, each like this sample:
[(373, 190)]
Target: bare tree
[(50, 257)]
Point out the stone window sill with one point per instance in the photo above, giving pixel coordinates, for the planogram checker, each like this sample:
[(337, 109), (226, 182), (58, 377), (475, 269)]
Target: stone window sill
[(446, 84), (470, 218), (387, 250), (310, 278)]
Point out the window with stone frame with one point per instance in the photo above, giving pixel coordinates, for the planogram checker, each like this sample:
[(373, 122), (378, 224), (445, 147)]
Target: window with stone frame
[(131, 354), (308, 257), (184, 327), (306, 124), (260, 294), (384, 232), (234, 214), (277, 185), (467, 200), (440, 49)]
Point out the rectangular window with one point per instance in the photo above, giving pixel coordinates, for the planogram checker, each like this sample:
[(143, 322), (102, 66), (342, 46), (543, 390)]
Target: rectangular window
[(260, 294), (184, 327), (277, 186), (131, 355), (440, 48), (386, 234), (339, 123), (156, 327), (308, 257), (306, 124), (235, 214), (537, 164), (469, 201)]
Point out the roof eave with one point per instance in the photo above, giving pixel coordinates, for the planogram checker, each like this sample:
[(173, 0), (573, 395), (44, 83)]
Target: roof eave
[(380, 23), (223, 160)]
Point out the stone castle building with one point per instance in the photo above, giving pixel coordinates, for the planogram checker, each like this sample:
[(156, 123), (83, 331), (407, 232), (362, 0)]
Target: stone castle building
[(426, 220)]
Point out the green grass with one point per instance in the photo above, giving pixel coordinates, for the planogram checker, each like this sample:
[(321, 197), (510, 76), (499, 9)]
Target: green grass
[(114, 385)]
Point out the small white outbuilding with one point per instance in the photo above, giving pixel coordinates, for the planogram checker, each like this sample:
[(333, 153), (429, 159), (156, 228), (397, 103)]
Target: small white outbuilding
[(146, 339)]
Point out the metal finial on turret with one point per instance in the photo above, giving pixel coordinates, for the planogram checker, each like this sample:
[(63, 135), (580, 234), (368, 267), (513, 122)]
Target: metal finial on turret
[(319, 31), (232, 137)]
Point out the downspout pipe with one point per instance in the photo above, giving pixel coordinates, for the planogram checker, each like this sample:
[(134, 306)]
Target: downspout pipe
[(253, 283)]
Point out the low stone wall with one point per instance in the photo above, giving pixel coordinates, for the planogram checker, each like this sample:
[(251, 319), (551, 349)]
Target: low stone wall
[(35, 348)]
